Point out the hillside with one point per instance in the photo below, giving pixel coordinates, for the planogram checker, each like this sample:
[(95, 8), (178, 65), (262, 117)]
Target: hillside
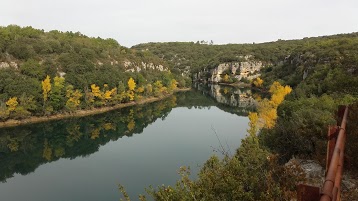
[(316, 59), (317, 74), (50, 72)]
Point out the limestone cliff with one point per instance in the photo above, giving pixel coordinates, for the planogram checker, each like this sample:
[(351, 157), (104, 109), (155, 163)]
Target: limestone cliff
[(137, 67), (249, 69)]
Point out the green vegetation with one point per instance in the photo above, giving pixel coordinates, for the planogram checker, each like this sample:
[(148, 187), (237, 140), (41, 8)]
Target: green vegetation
[(52, 72), (55, 71), (194, 57), (323, 73)]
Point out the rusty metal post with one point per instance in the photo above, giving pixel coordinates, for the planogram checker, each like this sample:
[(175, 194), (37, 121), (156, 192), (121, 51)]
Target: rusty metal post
[(307, 193), (338, 180), (335, 169), (332, 137)]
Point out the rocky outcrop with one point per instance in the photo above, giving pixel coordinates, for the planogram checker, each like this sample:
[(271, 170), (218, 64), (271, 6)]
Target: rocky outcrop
[(248, 69), (134, 67), (315, 173), (245, 69), (12, 64)]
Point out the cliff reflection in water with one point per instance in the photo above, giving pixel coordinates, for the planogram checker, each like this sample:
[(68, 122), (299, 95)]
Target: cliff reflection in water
[(23, 149), (241, 99)]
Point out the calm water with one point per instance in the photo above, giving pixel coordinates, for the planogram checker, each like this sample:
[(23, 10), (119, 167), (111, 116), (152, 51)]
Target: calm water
[(86, 158)]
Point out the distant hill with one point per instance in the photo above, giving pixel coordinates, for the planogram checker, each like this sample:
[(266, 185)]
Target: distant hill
[(328, 63)]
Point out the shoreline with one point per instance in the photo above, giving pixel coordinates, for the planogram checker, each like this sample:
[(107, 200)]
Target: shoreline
[(82, 113), (239, 85)]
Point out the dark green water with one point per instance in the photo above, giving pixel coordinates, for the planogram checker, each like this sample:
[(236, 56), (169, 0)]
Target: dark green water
[(86, 158)]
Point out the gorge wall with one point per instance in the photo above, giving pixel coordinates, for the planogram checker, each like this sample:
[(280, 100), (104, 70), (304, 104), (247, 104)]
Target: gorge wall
[(249, 70)]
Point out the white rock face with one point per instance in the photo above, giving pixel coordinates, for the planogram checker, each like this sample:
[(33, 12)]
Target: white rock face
[(12, 64), (62, 74), (4, 65), (134, 67), (245, 69)]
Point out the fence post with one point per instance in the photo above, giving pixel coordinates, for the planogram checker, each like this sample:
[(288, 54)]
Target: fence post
[(332, 137), (332, 184), (307, 193)]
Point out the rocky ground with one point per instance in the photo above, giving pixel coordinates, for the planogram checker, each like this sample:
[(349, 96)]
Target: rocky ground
[(315, 175)]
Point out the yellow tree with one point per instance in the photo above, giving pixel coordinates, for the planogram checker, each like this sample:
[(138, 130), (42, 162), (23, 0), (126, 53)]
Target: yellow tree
[(140, 89), (46, 87), (268, 108), (130, 95), (58, 82), (253, 124), (12, 104), (96, 91), (131, 84), (278, 93), (108, 94), (73, 96), (173, 85), (258, 82)]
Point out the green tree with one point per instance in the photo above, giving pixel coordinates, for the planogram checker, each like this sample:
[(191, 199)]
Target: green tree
[(32, 68)]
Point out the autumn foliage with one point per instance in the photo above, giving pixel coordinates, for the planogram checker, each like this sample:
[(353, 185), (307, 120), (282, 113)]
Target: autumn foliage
[(46, 87), (59, 96), (258, 82), (267, 108)]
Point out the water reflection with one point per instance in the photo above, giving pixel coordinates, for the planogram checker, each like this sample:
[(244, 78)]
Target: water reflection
[(240, 98), (23, 149), (107, 152)]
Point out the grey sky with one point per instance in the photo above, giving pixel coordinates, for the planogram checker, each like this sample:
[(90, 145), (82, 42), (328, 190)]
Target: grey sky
[(224, 21)]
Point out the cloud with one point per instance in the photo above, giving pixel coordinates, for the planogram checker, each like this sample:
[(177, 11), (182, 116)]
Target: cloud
[(224, 21)]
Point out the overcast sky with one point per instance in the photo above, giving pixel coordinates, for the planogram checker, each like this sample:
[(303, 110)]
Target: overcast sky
[(224, 21)]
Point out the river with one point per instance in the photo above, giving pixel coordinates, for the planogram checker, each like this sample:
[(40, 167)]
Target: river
[(86, 158)]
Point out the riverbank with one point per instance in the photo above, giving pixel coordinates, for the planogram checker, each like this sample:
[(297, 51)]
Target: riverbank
[(236, 84), (82, 113)]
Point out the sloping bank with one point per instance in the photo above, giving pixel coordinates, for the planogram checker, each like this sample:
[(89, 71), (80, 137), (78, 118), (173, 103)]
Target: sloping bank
[(82, 113)]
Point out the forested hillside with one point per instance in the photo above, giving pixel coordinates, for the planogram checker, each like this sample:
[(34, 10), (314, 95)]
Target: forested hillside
[(316, 58), (50, 72), (194, 57), (322, 71), (307, 80)]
